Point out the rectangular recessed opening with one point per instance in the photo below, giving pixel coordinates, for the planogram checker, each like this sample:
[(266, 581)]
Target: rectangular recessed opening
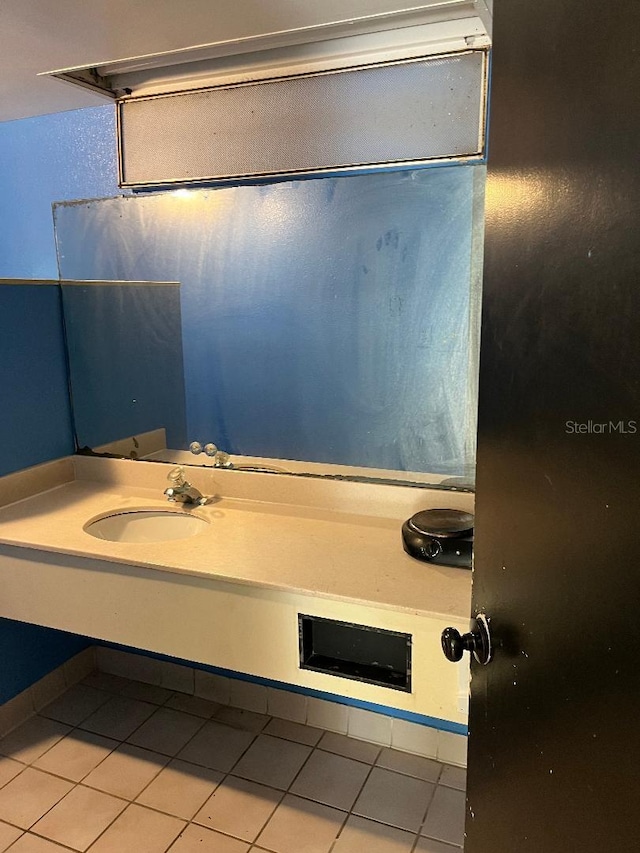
[(359, 652)]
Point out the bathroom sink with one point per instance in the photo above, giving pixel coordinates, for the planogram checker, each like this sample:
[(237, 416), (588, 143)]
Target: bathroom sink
[(157, 525)]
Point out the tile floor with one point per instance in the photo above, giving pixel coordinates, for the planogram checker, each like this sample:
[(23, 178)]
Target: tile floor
[(116, 766)]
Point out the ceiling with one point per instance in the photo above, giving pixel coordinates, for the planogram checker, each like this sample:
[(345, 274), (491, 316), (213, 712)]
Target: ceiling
[(40, 35)]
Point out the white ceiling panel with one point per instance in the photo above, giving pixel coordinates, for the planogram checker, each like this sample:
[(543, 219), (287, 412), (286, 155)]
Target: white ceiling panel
[(42, 35)]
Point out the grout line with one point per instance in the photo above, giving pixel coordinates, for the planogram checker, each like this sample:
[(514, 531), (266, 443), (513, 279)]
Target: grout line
[(225, 775), (29, 832), (19, 773), (113, 692), (350, 812), (107, 828), (119, 743)]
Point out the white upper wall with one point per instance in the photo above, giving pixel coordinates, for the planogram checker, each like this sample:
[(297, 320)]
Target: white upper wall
[(40, 35)]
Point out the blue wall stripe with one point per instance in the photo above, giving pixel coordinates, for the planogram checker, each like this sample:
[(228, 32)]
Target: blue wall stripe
[(397, 713)]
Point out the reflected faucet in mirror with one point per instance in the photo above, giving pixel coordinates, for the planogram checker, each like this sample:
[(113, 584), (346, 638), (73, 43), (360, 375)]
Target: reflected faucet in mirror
[(220, 458)]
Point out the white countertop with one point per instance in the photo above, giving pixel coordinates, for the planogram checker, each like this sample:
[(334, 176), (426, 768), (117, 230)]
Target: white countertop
[(296, 538)]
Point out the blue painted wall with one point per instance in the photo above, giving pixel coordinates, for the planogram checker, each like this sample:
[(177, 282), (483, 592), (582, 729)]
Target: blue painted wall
[(36, 421), (42, 160), (45, 159), (29, 652)]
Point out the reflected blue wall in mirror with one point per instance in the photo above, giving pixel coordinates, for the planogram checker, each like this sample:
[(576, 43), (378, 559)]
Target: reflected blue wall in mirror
[(328, 320), (125, 361)]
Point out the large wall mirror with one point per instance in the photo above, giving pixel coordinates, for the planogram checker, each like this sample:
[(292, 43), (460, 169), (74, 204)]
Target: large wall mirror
[(328, 325)]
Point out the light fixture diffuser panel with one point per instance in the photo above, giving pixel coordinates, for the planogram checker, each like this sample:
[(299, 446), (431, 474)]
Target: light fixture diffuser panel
[(386, 115)]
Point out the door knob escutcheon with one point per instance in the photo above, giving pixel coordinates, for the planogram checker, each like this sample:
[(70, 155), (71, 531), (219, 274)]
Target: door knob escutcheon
[(477, 641)]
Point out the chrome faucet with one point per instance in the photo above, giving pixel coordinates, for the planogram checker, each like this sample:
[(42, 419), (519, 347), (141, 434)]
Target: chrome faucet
[(182, 491)]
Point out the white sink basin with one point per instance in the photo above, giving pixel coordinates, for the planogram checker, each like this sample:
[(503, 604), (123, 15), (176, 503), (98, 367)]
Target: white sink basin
[(146, 525)]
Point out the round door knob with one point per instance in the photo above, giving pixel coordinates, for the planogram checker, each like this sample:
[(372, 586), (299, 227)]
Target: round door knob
[(477, 641), (454, 644)]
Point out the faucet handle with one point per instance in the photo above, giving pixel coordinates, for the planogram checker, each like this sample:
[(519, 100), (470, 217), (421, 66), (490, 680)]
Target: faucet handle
[(176, 476)]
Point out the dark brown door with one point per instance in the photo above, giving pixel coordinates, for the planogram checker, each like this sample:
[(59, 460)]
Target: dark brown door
[(554, 747)]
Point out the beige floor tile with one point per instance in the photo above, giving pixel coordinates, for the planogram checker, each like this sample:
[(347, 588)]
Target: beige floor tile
[(286, 705), (454, 777), (76, 704), (76, 755), (31, 739), (119, 717), (126, 771), (79, 818), (146, 692), (215, 688), (193, 705), (48, 688), (331, 779), (239, 807), (176, 676), (430, 845), (9, 769), (445, 818), (26, 798), (369, 726), (133, 666), (238, 718), (360, 835), (79, 666), (410, 765), (299, 826), (293, 731), (197, 839), (180, 789), (15, 711), (105, 681), (28, 843), (349, 747), (411, 737), (8, 834), (140, 830), (452, 749), (216, 746), (394, 799), (327, 715), (166, 731), (247, 695), (271, 761)]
